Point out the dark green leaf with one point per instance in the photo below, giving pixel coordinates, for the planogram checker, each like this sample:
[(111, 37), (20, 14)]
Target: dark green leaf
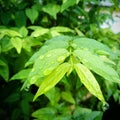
[(53, 95), (68, 97), (87, 114), (13, 97), (44, 113), (4, 70)]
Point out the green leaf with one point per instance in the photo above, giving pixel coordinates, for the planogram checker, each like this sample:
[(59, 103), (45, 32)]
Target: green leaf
[(57, 31), (68, 97), (39, 32), (9, 32), (91, 44), (61, 29), (32, 14), (62, 117), (95, 63), (51, 80), (54, 43), (80, 113), (87, 114), (48, 61), (17, 43), (47, 113), (25, 106), (45, 64), (67, 3), (14, 97), (23, 31), (89, 81), (53, 95), (18, 15), (28, 42), (4, 70), (21, 75), (6, 44), (52, 9)]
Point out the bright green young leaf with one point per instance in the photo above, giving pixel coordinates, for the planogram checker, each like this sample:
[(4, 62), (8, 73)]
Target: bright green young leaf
[(4, 70), (34, 27), (39, 32), (61, 29), (9, 32), (17, 43), (54, 33), (45, 64), (89, 81), (68, 97), (23, 31), (54, 43), (95, 63), (21, 75), (28, 42), (32, 14), (51, 80), (52, 9)]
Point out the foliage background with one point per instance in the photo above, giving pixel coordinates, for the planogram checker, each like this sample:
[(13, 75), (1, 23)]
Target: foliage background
[(25, 25)]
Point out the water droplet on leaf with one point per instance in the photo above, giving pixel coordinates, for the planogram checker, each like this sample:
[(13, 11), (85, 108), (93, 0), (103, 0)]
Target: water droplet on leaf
[(105, 106), (61, 59), (67, 54), (41, 57), (85, 61), (49, 55), (32, 70), (47, 71), (33, 79), (27, 87), (74, 45)]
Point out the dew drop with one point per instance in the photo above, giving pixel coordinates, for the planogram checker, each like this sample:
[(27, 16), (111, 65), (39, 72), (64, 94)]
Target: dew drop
[(74, 45), (67, 54), (48, 55), (85, 61), (41, 57), (27, 87), (61, 59), (33, 79), (105, 106), (32, 70), (47, 71)]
